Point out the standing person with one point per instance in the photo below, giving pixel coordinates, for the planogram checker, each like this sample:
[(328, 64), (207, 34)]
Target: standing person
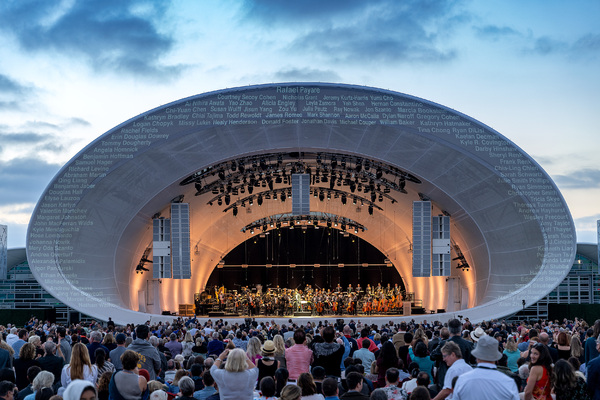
[(252, 349), (102, 364), (238, 378), (23, 336), (148, 354), (365, 355), (51, 362), (485, 379), (456, 367), (567, 385), (298, 357), (590, 347), (455, 329), (330, 389), (64, 343), (512, 354), (280, 350), (23, 363), (79, 368), (96, 343), (187, 345), (387, 359), (329, 354), (593, 374), (115, 354), (173, 345), (539, 383), (267, 365)]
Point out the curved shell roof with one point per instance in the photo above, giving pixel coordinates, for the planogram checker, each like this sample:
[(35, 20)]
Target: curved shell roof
[(94, 220)]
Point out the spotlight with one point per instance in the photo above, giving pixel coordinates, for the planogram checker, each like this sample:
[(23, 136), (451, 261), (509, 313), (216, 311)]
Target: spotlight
[(333, 162), (352, 187), (344, 199), (328, 195), (321, 196), (198, 186), (251, 201), (220, 201), (235, 211), (282, 197), (222, 174), (250, 188), (227, 199), (271, 184), (332, 182), (259, 200), (370, 210), (373, 196), (380, 198), (379, 173), (402, 184), (358, 166)]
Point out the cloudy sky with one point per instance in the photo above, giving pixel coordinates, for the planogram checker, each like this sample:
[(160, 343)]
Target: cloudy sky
[(71, 70)]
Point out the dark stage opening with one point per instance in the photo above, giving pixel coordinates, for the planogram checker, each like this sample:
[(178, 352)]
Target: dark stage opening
[(267, 259)]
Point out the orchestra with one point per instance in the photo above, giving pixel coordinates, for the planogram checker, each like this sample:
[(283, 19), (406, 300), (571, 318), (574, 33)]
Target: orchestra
[(308, 300)]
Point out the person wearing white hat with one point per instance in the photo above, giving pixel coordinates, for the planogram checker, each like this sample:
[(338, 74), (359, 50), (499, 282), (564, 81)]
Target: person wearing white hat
[(485, 381), (477, 334)]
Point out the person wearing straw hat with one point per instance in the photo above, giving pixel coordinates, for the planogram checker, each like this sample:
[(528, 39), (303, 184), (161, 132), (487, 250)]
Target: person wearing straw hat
[(267, 365), (485, 381), (477, 334)]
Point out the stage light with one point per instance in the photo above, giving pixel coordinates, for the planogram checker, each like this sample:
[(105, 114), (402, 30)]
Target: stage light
[(222, 174), (259, 200), (198, 186), (379, 173), (220, 201), (370, 210), (227, 199), (235, 211), (344, 199), (282, 197), (321, 196)]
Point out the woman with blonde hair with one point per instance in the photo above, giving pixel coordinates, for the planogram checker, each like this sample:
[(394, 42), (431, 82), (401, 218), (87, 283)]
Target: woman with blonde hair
[(253, 349), (577, 349), (291, 392), (187, 345), (238, 379), (280, 350), (512, 353), (109, 341), (420, 334), (80, 367)]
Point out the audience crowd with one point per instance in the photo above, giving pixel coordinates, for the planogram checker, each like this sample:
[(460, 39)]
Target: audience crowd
[(191, 359)]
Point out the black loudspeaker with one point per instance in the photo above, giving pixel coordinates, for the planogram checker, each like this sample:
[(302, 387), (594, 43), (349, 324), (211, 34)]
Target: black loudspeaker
[(167, 312), (441, 310)]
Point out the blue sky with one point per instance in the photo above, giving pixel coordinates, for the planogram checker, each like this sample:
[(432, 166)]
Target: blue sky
[(71, 70)]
